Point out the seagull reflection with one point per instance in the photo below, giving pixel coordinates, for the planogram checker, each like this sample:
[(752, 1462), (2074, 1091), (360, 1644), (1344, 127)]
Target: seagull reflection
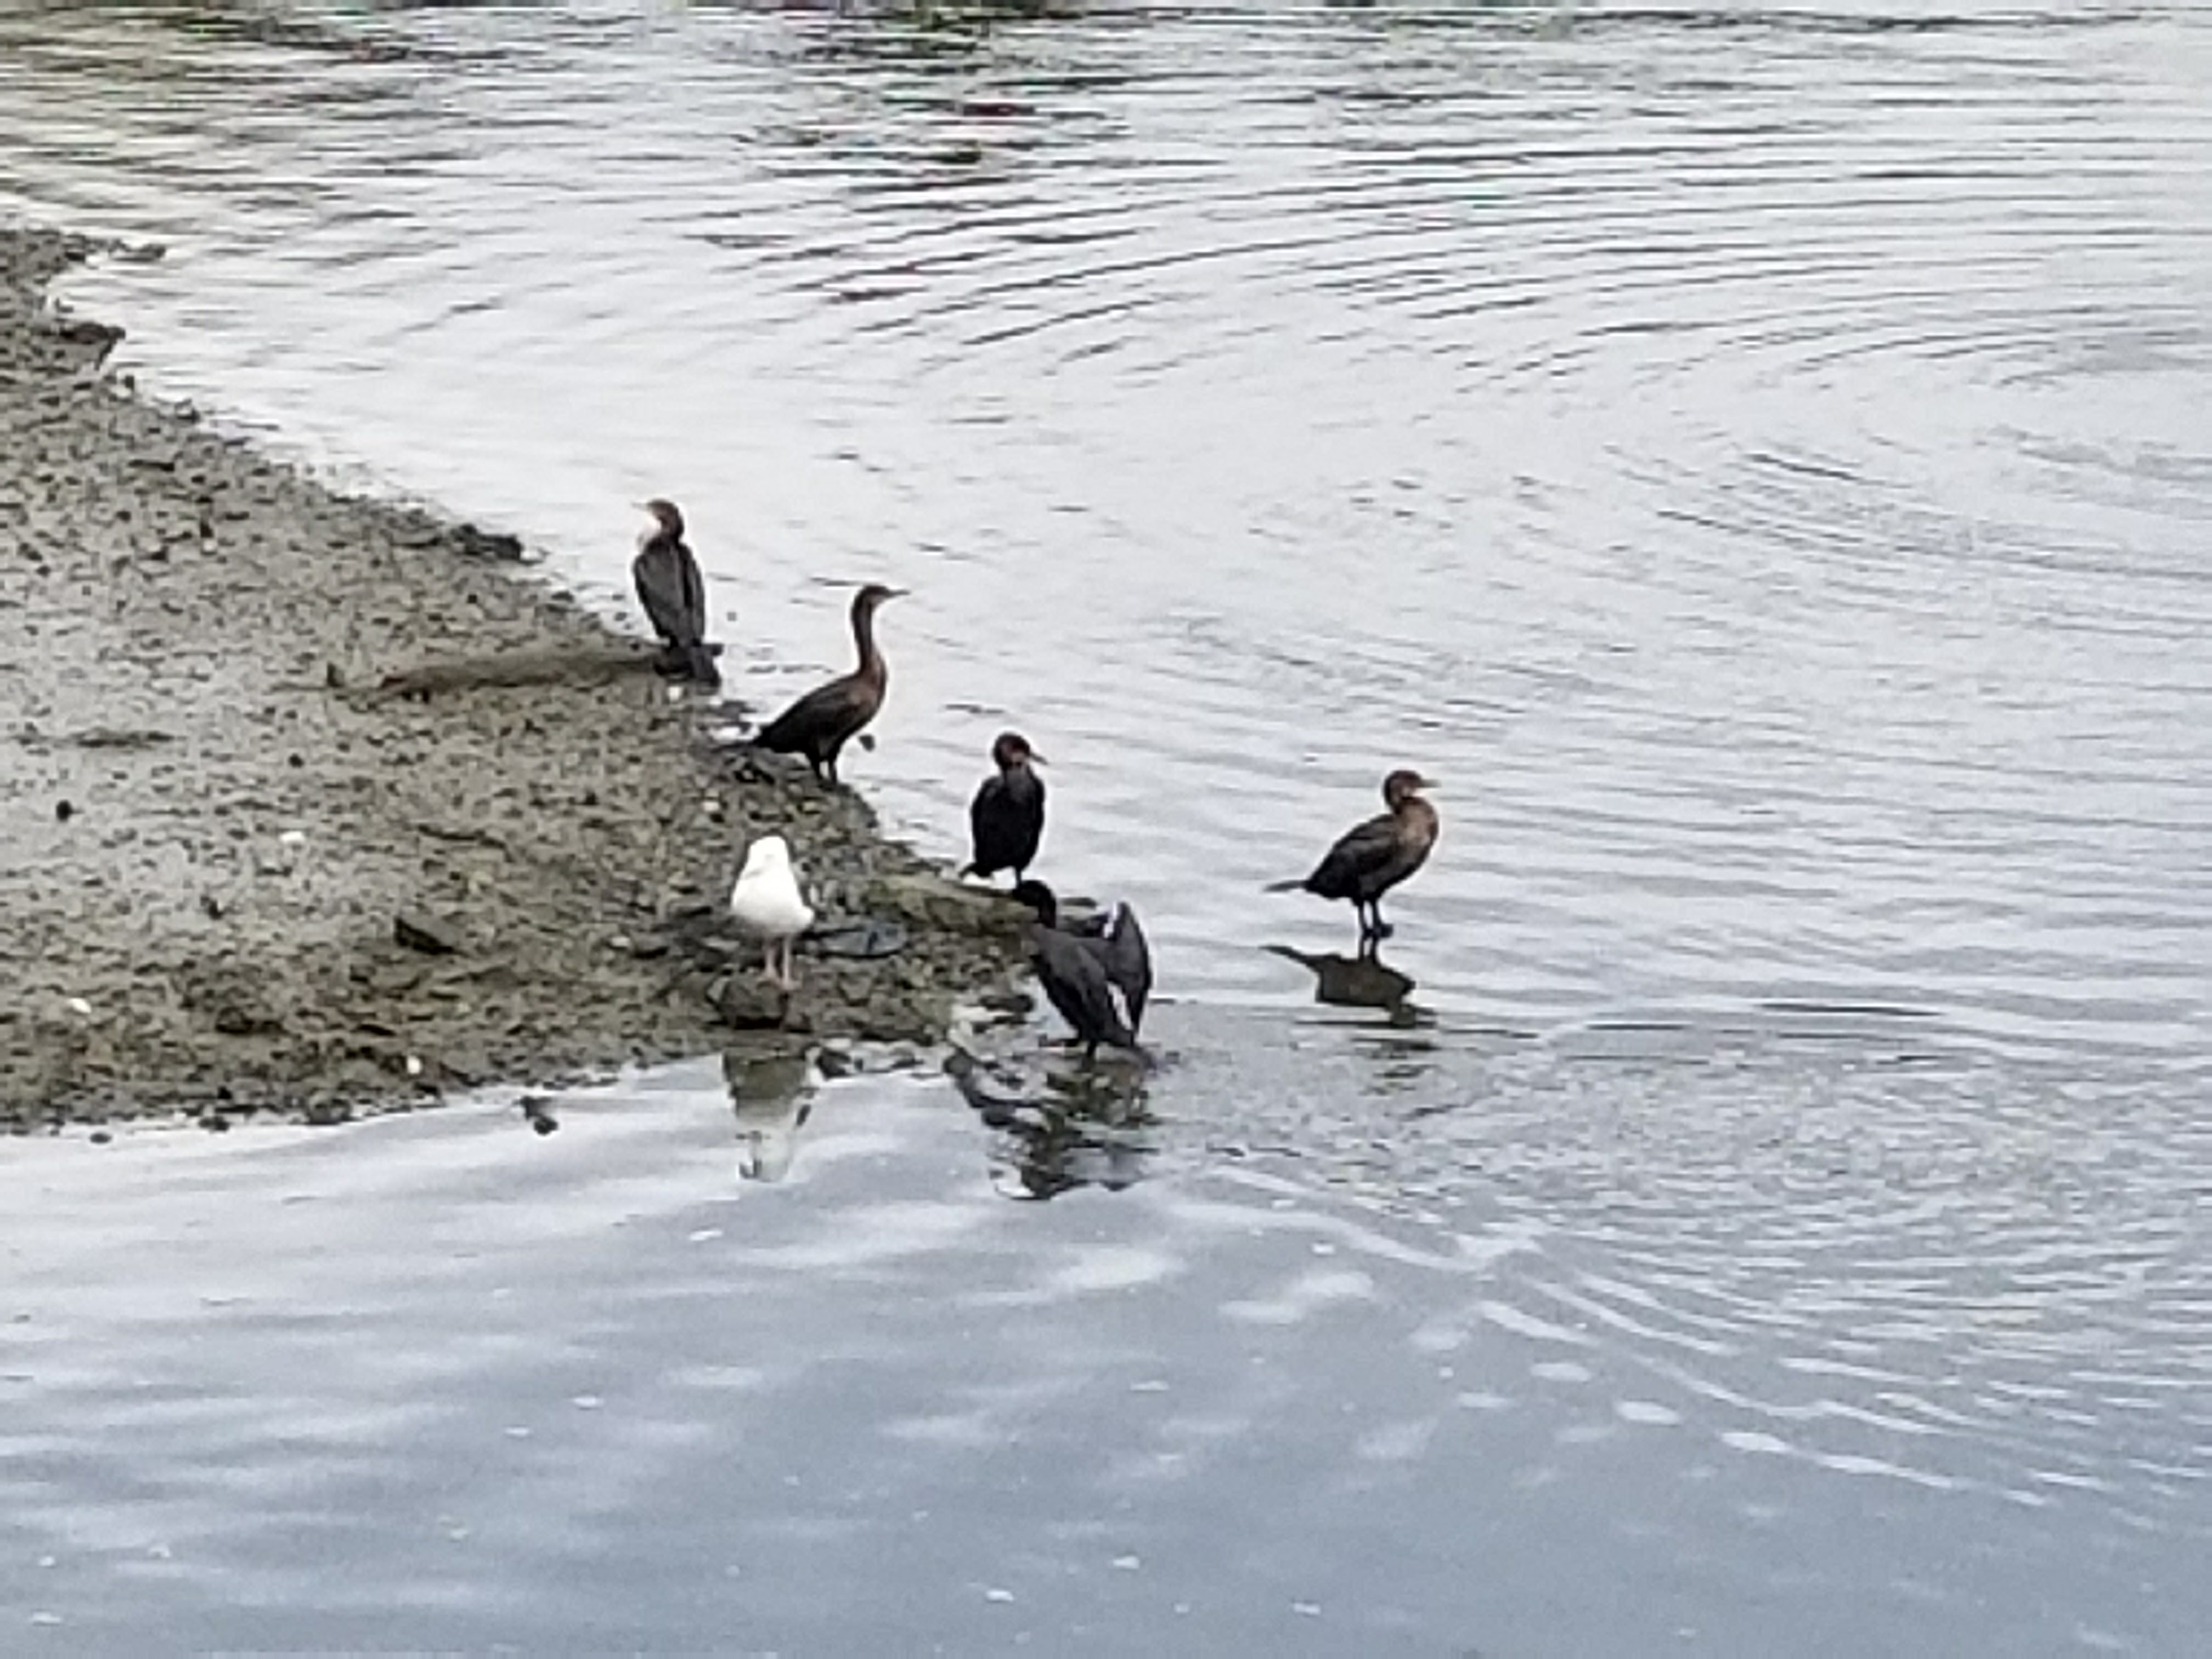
[(772, 1095), (1360, 981), (1061, 1127)]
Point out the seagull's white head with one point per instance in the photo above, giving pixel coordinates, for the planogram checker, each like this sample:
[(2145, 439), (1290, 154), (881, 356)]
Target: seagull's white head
[(768, 854)]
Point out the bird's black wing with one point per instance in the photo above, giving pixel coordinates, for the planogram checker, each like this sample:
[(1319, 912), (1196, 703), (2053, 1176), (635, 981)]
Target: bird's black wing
[(823, 714), (661, 592), (1360, 853), (1127, 956), (987, 827), (694, 588), (1074, 979)]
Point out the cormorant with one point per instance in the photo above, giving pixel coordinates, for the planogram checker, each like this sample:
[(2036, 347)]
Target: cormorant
[(828, 717), (1372, 858), (1006, 819), (767, 905), (1127, 956), (673, 593), (1073, 973)]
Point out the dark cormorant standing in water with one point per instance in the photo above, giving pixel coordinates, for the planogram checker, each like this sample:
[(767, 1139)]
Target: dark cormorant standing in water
[(1127, 956), (673, 593), (828, 717), (1080, 973), (1372, 858), (1008, 816)]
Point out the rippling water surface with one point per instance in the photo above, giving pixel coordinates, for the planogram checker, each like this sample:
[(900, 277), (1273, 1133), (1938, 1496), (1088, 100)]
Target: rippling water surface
[(1755, 457)]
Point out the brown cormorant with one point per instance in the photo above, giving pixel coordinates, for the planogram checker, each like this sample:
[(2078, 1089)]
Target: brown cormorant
[(1006, 819), (828, 717), (1074, 973), (674, 594), (1372, 858)]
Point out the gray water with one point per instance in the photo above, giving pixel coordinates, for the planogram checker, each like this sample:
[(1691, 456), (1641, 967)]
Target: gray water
[(1755, 458)]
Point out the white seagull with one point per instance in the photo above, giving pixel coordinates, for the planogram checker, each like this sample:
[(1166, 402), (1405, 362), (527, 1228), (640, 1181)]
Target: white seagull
[(767, 905)]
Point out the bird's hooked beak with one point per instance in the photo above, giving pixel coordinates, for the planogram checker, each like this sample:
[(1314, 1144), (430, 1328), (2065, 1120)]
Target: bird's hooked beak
[(1034, 759)]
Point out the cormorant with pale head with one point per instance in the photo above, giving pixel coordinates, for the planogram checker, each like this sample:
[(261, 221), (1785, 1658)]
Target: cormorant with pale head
[(673, 593)]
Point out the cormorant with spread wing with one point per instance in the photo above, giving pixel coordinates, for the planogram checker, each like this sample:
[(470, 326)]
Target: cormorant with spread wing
[(1099, 983)]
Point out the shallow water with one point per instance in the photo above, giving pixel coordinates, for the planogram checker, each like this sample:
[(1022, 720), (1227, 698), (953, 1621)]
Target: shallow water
[(442, 1382), (1753, 456)]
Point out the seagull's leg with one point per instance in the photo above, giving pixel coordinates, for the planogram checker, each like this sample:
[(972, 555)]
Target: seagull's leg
[(1382, 929)]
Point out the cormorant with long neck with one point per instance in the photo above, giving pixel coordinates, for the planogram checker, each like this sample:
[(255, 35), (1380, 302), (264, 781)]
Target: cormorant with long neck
[(828, 717), (1078, 975), (673, 593), (1006, 819), (1370, 859)]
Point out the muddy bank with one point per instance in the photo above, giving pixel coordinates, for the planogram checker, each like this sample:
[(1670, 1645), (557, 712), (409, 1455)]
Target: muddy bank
[(246, 869)]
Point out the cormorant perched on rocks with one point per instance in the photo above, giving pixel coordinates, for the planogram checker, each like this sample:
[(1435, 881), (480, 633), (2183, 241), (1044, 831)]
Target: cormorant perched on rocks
[(673, 593), (1372, 858), (1006, 819), (1074, 974), (767, 905), (828, 717)]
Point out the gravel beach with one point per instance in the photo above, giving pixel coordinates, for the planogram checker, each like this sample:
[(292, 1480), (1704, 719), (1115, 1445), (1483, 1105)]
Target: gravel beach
[(257, 859)]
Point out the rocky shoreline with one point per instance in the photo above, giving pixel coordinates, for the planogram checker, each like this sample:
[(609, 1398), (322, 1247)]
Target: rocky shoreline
[(317, 805)]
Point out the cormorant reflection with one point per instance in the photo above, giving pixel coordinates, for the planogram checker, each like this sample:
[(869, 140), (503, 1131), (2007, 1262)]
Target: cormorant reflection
[(1361, 981), (1059, 1128)]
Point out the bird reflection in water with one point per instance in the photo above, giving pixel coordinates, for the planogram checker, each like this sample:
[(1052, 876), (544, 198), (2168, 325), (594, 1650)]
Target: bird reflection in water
[(772, 1095), (1361, 981), (1060, 1127)]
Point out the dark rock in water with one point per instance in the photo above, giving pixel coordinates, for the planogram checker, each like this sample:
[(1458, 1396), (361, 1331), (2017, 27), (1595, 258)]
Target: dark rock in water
[(417, 931), (538, 1114), (64, 811)]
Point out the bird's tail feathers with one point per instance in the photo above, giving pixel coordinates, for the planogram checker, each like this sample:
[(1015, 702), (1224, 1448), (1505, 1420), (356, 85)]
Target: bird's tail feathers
[(699, 660)]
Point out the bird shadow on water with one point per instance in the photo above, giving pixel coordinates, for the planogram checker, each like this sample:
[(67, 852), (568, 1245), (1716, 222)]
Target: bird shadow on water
[(1060, 1124), (1360, 982)]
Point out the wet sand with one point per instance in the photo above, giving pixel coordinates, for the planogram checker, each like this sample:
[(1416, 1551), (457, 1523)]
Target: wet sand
[(244, 872)]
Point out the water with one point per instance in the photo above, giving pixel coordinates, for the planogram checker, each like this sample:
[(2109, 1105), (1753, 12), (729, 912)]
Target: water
[(1753, 457)]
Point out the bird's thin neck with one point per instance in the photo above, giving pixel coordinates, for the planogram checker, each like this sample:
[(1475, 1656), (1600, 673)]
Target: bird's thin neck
[(863, 640)]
